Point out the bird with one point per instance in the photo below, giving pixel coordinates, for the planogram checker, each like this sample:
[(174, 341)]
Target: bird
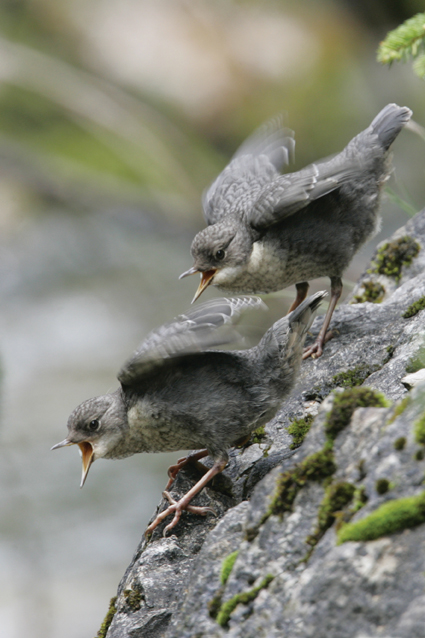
[(178, 393), (266, 231)]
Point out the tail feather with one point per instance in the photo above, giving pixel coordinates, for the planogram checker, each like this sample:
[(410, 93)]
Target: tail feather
[(288, 334), (389, 122)]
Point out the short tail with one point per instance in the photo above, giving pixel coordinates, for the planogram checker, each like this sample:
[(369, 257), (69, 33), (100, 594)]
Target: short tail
[(389, 122), (302, 317), (286, 337)]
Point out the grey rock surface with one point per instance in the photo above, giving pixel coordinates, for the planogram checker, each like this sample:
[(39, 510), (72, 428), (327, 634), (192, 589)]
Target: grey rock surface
[(350, 590)]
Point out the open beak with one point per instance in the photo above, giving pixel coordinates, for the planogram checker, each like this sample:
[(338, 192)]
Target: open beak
[(206, 280), (86, 450), (191, 271), (62, 444)]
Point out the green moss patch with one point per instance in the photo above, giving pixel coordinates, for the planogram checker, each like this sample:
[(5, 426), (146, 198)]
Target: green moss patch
[(315, 467), (419, 455), (382, 485), (258, 435), (389, 518), (353, 377), (337, 496), (227, 566), (345, 404), (373, 291), (420, 430), (414, 308), (133, 599), (298, 430), (243, 598), (400, 443), (392, 256), (108, 618)]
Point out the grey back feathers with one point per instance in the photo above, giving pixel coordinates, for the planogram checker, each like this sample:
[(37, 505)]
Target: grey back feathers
[(257, 161), (204, 326), (251, 185)]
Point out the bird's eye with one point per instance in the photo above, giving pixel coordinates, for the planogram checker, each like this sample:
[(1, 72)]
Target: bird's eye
[(94, 425), (220, 254)]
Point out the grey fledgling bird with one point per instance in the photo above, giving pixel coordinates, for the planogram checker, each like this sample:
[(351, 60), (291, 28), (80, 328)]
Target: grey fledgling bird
[(267, 231), (177, 395)]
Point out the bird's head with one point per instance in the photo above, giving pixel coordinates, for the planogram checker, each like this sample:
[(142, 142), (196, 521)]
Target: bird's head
[(96, 426), (219, 251)]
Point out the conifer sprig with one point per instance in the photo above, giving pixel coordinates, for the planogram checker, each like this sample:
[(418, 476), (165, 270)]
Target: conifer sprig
[(404, 43)]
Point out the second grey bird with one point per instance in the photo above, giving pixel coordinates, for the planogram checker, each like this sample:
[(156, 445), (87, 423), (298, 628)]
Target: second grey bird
[(267, 231), (177, 395)]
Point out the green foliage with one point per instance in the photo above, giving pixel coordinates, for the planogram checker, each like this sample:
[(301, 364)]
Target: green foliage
[(244, 598), (227, 566), (108, 618), (392, 256), (414, 308), (373, 291), (404, 43), (298, 430), (389, 518), (346, 402), (420, 430)]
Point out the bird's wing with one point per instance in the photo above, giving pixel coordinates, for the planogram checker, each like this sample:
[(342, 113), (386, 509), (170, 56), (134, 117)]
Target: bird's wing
[(204, 326), (288, 194), (257, 161)]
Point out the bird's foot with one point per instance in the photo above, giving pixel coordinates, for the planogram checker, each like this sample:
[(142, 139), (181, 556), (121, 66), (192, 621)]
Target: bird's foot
[(176, 508), (173, 470), (316, 349)]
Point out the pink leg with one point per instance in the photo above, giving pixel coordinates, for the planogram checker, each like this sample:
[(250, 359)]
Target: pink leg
[(176, 507), (173, 470), (302, 290), (315, 350)]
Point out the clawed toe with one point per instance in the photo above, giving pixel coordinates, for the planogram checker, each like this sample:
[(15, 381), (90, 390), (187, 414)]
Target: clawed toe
[(176, 508)]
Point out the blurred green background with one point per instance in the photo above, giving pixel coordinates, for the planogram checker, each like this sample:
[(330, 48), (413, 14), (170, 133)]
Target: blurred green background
[(114, 116)]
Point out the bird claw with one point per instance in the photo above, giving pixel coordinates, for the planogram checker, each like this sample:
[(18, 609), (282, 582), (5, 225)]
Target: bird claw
[(316, 349), (176, 507)]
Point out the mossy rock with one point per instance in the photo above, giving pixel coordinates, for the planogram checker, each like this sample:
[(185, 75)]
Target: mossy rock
[(299, 429), (346, 402), (373, 292), (353, 377), (227, 566), (414, 308), (392, 256), (108, 618), (391, 517), (337, 497), (243, 598), (420, 430)]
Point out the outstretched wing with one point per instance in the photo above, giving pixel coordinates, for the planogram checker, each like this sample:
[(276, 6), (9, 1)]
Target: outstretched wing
[(257, 161), (204, 326), (290, 193)]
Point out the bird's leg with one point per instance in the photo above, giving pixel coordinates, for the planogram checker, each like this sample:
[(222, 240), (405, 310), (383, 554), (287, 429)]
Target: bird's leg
[(173, 470), (176, 507), (302, 290), (315, 350)]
